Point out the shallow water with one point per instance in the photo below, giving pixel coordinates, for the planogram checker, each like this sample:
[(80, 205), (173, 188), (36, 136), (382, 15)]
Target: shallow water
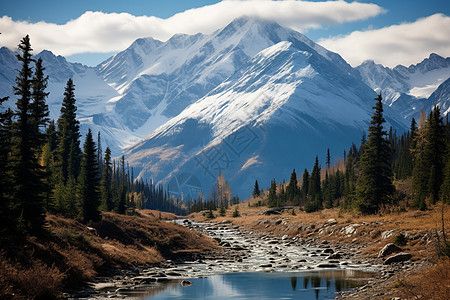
[(259, 285)]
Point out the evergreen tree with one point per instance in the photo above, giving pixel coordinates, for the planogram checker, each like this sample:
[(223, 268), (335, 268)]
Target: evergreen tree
[(314, 185), (99, 153), (256, 191), (39, 109), (88, 182), (69, 151), (375, 187), (272, 199), (122, 204), (107, 203), (305, 184), (292, 190), (5, 169), (28, 176), (328, 158), (445, 188), (315, 192), (434, 152)]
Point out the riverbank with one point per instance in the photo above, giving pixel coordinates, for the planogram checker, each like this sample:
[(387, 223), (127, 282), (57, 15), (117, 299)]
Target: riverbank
[(424, 273), (70, 254)]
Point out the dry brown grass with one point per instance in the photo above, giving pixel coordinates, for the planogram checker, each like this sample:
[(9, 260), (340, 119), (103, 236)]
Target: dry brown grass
[(433, 283), (72, 253), (37, 281)]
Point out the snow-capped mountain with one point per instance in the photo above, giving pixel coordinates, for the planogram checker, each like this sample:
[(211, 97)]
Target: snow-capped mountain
[(252, 100), (406, 89), (158, 80), (283, 107)]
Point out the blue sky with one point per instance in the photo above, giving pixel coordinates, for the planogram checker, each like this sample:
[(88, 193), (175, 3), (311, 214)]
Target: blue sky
[(332, 33)]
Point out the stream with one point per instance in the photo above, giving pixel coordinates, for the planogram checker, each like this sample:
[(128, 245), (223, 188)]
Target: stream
[(255, 266)]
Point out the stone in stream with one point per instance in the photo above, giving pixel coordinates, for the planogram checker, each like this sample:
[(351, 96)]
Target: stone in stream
[(185, 283), (400, 257)]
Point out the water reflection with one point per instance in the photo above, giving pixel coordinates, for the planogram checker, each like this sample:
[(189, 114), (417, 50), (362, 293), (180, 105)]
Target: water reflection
[(316, 285)]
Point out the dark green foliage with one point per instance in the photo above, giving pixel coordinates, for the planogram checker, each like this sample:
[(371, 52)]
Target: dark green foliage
[(69, 151), (39, 109), (305, 184), (122, 197), (429, 159), (434, 151), (272, 200), (375, 187), (256, 191), (292, 190), (28, 176), (222, 211), (236, 213), (210, 214), (314, 182), (107, 203), (88, 183), (5, 168), (400, 240)]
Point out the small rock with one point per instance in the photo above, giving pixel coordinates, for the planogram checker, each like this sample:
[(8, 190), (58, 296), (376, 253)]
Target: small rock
[(266, 266), (327, 265), (331, 222), (387, 234), (397, 258), (186, 283), (388, 250)]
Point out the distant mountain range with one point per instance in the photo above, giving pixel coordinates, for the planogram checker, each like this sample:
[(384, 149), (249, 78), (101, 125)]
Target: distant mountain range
[(252, 100)]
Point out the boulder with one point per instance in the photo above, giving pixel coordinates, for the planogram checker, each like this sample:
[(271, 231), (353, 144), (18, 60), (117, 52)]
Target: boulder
[(402, 256), (389, 249)]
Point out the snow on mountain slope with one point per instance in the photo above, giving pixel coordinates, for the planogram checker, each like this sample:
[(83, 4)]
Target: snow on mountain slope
[(406, 88), (158, 80), (441, 98), (283, 107)]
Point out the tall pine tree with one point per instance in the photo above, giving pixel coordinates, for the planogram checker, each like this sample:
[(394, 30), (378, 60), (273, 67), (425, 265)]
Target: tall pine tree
[(292, 190), (107, 203), (28, 176), (374, 186), (256, 191), (88, 183)]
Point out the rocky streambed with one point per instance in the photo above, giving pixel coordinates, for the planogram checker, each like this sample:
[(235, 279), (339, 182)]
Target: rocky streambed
[(241, 251)]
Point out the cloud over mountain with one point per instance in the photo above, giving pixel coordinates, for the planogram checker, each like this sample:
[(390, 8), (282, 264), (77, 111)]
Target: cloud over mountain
[(109, 32), (397, 44)]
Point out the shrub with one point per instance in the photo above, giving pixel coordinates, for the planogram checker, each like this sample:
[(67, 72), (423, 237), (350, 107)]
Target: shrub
[(236, 213), (400, 240)]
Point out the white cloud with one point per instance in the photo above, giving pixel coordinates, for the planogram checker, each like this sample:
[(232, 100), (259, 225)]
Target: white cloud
[(102, 32), (405, 44)]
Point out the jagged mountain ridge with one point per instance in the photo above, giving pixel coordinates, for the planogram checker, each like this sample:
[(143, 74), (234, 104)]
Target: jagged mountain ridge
[(158, 80), (406, 89)]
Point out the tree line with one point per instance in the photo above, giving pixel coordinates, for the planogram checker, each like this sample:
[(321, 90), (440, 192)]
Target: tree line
[(364, 179), (43, 167)]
